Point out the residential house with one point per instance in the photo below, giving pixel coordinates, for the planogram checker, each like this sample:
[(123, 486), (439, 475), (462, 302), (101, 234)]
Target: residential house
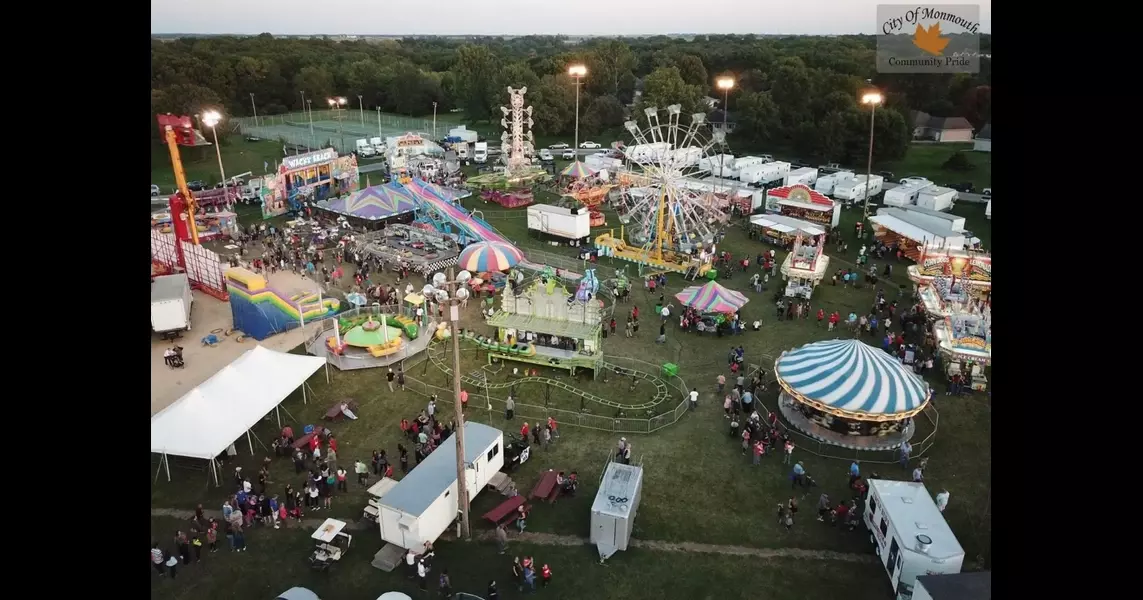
[(940, 129), (716, 120), (710, 102), (983, 141)]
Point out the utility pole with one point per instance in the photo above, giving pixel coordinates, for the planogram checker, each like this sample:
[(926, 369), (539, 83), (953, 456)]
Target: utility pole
[(461, 476)]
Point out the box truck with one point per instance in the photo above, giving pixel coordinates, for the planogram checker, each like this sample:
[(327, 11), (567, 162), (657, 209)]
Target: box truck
[(909, 534), (807, 176), (378, 145), (558, 223), (171, 303), (480, 153), (936, 197), (905, 194), (464, 134), (854, 189), (363, 148)]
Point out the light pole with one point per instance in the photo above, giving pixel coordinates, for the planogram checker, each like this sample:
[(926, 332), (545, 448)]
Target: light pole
[(872, 98), (304, 110), (310, 113), (211, 119), (361, 107), (577, 73), (458, 407), (434, 121), (255, 107), (725, 84), (379, 122), (336, 104)]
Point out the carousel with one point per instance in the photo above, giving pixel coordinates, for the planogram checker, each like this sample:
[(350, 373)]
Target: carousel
[(849, 394)]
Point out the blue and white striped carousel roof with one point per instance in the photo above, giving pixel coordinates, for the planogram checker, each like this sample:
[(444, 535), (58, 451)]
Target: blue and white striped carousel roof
[(852, 376)]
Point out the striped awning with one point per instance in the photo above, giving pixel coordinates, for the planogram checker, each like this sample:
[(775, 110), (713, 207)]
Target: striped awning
[(852, 379)]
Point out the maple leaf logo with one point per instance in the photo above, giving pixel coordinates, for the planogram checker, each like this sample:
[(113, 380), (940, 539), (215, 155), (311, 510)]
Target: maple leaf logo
[(930, 40)]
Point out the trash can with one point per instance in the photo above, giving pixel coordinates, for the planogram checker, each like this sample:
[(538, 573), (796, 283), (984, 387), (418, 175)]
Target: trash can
[(670, 369)]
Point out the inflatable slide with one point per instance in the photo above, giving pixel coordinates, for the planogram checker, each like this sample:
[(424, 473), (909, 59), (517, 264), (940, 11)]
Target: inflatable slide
[(261, 311)]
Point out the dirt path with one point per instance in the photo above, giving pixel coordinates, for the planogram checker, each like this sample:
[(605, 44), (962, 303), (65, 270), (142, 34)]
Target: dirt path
[(550, 539)]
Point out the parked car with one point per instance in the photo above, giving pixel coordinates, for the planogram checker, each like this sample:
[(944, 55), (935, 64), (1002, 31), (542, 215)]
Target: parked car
[(964, 188), (196, 185), (888, 175), (546, 155), (155, 191), (568, 154), (558, 146), (589, 145), (913, 180)]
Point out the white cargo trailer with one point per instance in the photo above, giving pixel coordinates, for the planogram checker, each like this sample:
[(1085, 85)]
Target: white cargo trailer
[(747, 161), (600, 162), (909, 534), (773, 172), (937, 198), (687, 157), (807, 176), (569, 224), (935, 217), (464, 134), (614, 508), (904, 195), (171, 303), (423, 504), (652, 152), (854, 189), (719, 164), (826, 183)]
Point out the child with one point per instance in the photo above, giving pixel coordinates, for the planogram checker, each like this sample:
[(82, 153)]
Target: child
[(546, 575)]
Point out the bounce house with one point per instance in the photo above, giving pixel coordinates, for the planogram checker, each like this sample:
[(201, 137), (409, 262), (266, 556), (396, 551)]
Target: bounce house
[(260, 311), (378, 335)]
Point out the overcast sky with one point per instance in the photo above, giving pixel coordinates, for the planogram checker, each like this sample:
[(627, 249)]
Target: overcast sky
[(521, 17)]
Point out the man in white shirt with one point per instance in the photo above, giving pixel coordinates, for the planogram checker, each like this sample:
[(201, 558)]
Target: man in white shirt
[(410, 564), (694, 398), (665, 313)]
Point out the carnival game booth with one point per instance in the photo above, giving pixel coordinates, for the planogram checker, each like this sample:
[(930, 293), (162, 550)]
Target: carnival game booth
[(914, 235), (802, 202), (849, 394), (965, 340), (374, 206), (805, 266), (310, 177), (973, 268), (945, 296), (713, 303), (783, 231)]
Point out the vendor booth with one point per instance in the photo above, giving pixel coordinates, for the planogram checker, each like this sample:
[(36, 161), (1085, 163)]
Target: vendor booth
[(913, 234), (309, 177), (849, 394), (965, 340), (783, 231), (802, 202), (975, 268)]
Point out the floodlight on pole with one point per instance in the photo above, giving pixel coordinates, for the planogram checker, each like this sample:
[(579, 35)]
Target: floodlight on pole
[(211, 118), (873, 98), (725, 84), (577, 72)]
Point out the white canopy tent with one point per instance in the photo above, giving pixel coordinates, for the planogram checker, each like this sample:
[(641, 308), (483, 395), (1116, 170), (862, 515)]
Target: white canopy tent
[(209, 418)]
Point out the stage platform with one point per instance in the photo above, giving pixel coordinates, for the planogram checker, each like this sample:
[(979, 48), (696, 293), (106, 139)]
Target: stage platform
[(854, 442), (555, 357)]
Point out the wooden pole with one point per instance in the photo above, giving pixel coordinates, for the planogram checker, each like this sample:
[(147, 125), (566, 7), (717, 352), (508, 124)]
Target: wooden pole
[(461, 476)]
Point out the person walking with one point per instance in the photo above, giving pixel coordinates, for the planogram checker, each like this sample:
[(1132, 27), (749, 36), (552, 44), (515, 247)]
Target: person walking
[(410, 564), (906, 450), (445, 584), (823, 507), (401, 378), (693, 395), (389, 377), (942, 500), (545, 575), (493, 593), (342, 486), (157, 558), (422, 576), (787, 452), (518, 574), (510, 408), (501, 539), (172, 565)]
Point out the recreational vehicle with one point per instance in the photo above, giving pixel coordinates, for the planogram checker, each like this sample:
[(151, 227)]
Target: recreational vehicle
[(423, 504), (559, 223), (904, 194), (909, 534), (807, 176), (855, 190), (937, 198), (826, 183)]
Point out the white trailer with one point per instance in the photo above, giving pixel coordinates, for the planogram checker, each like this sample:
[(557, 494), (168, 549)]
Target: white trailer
[(909, 534), (614, 508), (957, 586), (854, 189), (600, 162), (935, 217), (171, 303), (652, 152), (556, 221), (826, 183), (363, 148), (719, 165), (904, 195), (423, 504), (687, 157), (464, 134), (773, 172), (747, 161), (378, 145), (937, 198), (807, 176), (988, 210)]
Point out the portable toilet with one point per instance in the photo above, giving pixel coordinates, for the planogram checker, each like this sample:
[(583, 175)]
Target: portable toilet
[(614, 508)]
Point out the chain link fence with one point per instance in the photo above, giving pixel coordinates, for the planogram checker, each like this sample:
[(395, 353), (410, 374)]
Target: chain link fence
[(336, 128)]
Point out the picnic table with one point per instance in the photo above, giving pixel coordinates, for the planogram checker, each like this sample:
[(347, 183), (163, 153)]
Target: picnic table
[(506, 512), (546, 488)]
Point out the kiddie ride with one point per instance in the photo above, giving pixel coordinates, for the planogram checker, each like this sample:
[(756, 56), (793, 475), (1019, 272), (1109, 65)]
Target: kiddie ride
[(508, 199), (380, 336)]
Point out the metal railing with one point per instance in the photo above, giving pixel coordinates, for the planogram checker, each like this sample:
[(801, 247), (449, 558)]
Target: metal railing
[(315, 342)]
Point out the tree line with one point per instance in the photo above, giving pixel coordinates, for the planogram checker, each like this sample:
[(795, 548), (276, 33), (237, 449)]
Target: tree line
[(798, 94)]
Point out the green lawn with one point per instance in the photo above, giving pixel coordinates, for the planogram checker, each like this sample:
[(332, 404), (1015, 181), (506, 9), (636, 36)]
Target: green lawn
[(238, 156), (277, 560), (927, 160)]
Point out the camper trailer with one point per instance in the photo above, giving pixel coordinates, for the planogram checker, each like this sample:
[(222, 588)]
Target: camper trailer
[(614, 508), (423, 504), (644, 153), (936, 197), (904, 195), (719, 164), (826, 183), (559, 223), (748, 161), (909, 534), (807, 176), (687, 157), (854, 190)]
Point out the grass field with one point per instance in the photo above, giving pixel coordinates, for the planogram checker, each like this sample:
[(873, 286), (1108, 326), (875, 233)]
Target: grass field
[(927, 160), (698, 488), (238, 156)]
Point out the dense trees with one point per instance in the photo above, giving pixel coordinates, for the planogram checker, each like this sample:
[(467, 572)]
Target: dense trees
[(797, 94)]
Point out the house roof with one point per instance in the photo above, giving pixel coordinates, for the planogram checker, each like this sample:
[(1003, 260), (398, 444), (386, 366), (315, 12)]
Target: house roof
[(716, 117), (958, 586), (923, 119), (986, 133)]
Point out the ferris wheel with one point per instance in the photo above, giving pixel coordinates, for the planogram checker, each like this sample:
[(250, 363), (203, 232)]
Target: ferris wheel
[(664, 203)]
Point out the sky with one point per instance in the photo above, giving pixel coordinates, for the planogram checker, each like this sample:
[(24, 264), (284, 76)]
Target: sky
[(522, 17)]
